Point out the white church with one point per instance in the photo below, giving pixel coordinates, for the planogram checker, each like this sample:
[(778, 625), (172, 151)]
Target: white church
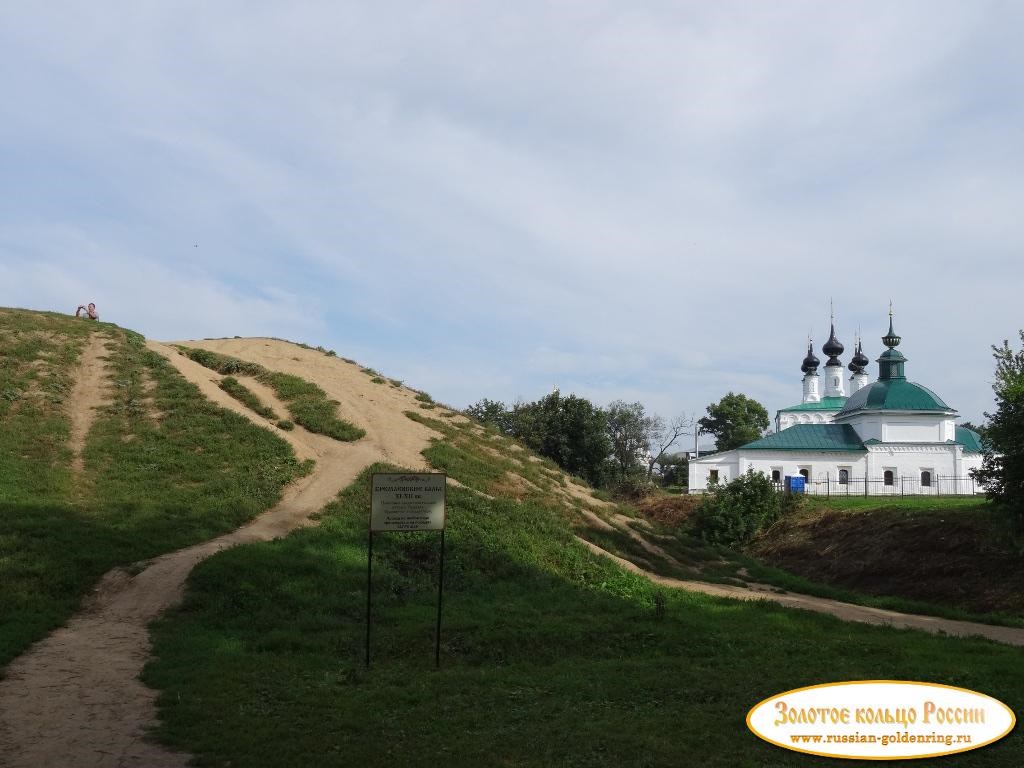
[(887, 437)]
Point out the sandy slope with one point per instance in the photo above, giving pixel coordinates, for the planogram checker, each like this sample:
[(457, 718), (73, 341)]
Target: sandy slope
[(74, 699)]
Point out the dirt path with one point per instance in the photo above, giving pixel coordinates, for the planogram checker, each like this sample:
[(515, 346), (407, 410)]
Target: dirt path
[(74, 699), (845, 611), (86, 396)]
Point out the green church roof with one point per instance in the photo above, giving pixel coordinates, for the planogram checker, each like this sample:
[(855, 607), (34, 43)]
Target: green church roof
[(893, 395), (825, 404), (809, 437), (969, 439)]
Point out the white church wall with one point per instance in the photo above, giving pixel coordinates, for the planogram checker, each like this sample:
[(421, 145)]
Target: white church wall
[(911, 432), (817, 464), (910, 460), (907, 462), (722, 466), (788, 419), (901, 426)]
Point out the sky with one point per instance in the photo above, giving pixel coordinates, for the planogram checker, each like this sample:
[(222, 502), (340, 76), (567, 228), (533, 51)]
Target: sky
[(648, 201)]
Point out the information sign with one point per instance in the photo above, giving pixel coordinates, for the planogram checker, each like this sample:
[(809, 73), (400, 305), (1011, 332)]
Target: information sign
[(407, 502)]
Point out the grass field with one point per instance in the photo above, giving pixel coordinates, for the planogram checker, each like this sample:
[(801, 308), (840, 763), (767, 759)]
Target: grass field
[(550, 655), (163, 468)]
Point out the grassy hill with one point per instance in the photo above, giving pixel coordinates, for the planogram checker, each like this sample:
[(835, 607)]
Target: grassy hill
[(161, 468), (550, 654)]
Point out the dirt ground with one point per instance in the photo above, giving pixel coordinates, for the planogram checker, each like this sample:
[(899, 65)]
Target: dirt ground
[(87, 395)]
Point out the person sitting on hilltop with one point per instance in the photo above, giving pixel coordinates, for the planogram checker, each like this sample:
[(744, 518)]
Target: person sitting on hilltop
[(90, 312)]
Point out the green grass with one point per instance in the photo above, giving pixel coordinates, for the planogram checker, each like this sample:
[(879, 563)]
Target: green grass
[(247, 397), (307, 404), (164, 468), (549, 656), (902, 502), (485, 460)]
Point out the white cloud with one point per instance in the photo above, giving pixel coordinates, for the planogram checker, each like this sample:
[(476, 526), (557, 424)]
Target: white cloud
[(649, 201)]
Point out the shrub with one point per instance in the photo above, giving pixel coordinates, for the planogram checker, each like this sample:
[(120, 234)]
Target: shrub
[(632, 486), (286, 425), (734, 513)]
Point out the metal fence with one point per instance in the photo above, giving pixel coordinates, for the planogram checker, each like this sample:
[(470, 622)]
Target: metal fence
[(908, 485)]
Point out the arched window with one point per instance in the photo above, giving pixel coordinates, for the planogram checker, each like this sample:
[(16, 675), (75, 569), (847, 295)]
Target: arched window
[(776, 476), (888, 477), (806, 473), (844, 476), (926, 479)]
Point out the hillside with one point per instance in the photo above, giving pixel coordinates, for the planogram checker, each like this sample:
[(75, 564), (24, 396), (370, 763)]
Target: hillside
[(950, 552), (551, 652)]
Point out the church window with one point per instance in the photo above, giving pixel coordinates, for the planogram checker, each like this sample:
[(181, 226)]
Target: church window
[(926, 479), (888, 477), (776, 476), (806, 473), (844, 476)]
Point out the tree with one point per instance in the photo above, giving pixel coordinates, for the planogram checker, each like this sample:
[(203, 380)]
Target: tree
[(572, 432), (734, 421), (569, 430), (629, 430), (663, 436), (674, 467), (490, 412), (1002, 469)]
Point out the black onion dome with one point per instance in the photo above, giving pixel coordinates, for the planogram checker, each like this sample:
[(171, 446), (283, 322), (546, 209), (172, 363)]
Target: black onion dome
[(860, 360), (811, 363), (832, 348)]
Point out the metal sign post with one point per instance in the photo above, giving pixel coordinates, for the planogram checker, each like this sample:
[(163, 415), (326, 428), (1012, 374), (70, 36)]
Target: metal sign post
[(406, 502)]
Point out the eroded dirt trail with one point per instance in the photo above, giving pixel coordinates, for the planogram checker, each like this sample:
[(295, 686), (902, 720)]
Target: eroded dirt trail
[(845, 611), (74, 699), (88, 394)]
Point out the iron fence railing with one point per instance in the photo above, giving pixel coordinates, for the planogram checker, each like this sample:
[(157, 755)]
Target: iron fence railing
[(908, 485)]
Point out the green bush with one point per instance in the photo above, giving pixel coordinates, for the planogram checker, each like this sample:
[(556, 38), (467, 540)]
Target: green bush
[(286, 425), (633, 486), (734, 513)]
